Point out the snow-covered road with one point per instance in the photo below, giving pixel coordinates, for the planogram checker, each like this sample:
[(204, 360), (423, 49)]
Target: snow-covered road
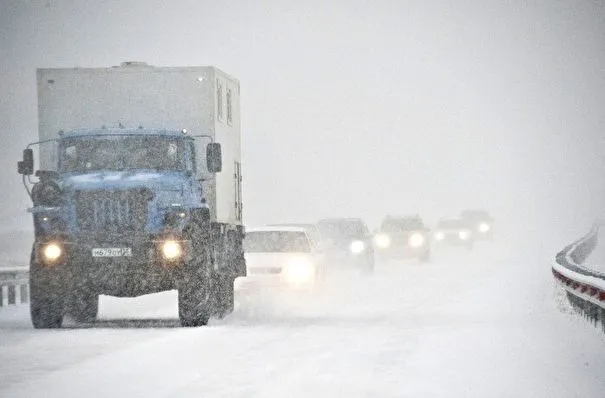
[(475, 324)]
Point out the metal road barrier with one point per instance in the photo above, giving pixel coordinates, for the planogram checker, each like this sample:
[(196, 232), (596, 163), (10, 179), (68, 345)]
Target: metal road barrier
[(585, 288), (14, 285)]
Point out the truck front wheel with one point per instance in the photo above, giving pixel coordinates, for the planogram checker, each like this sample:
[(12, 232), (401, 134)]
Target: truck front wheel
[(46, 303), (84, 306), (195, 288)]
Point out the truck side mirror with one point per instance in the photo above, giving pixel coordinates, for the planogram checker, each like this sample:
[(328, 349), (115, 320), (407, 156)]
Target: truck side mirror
[(214, 157), (26, 166)]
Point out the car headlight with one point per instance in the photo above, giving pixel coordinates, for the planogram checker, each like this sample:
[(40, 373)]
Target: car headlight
[(439, 236), (416, 240), (484, 227), (382, 241), (464, 234), (357, 247), (299, 271), (172, 250)]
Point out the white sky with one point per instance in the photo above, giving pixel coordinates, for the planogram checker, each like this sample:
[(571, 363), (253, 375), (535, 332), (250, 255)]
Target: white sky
[(359, 108)]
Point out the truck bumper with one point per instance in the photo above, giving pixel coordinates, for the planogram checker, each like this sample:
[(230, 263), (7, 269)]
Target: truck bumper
[(137, 268)]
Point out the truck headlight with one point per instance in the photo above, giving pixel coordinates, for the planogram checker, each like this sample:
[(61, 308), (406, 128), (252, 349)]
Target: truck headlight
[(299, 271), (51, 252), (439, 236), (357, 247), (484, 227), (382, 241), (464, 234), (416, 240), (172, 250)]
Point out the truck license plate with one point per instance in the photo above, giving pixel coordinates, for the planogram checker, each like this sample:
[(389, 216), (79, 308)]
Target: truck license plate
[(112, 252)]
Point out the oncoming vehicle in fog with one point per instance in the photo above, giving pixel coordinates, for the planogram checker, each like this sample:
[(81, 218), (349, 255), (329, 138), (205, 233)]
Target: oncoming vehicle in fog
[(403, 237), (482, 223), (348, 242), (455, 232), (281, 258)]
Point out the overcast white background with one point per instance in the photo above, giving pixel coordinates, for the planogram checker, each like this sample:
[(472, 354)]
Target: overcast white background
[(357, 108)]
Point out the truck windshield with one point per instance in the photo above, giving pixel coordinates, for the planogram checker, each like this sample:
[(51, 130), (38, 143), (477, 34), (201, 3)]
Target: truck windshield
[(121, 153)]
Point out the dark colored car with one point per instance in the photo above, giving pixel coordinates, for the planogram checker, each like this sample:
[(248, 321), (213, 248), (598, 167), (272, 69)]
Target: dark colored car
[(348, 242), (403, 237), (482, 223), (454, 232)]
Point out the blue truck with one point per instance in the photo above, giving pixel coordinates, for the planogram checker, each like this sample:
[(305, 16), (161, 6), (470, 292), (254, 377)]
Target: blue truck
[(138, 190)]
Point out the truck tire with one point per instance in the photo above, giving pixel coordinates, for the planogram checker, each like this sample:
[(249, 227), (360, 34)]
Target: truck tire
[(46, 302), (195, 288), (425, 257), (224, 295), (84, 306)]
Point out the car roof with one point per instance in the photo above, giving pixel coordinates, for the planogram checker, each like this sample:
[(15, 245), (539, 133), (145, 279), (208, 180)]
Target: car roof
[(342, 220), (403, 217), (295, 225), (277, 228)]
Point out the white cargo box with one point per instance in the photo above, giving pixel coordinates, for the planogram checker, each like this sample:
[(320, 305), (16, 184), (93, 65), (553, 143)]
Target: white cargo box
[(202, 100)]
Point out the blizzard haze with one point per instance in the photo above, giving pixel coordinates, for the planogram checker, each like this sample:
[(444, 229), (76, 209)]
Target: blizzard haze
[(358, 108)]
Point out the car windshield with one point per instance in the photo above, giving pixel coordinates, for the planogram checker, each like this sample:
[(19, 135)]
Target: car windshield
[(311, 229), (402, 225), (341, 229), (121, 153), (276, 242)]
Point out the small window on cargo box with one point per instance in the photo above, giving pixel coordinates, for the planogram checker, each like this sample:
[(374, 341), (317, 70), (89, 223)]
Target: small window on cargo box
[(219, 100), (229, 107)]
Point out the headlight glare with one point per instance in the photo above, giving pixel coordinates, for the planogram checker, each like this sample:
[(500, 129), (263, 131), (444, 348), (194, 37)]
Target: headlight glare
[(416, 240), (357, 247), (52, 251), (439, 236), (299, 271), (464, 234), (484, 227), (172, 250), (382, 241)]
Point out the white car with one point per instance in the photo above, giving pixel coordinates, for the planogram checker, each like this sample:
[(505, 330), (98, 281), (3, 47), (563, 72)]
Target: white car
[(280, 257)]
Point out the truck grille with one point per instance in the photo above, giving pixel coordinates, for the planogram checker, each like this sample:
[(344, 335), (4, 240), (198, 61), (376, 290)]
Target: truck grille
[(111, 211)]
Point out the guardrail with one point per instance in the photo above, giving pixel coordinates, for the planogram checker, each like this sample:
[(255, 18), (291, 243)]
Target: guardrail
[(15, 281), (585, 288)]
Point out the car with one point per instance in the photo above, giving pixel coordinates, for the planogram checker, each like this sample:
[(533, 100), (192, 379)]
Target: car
[(280, 258), (403, 237), (454, 231), (347, 242), (482, 223)]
